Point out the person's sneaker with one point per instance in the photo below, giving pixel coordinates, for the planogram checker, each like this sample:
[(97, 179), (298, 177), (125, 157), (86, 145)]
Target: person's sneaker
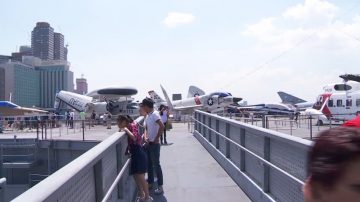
[(139, 199), (159, 190), (148, 200)]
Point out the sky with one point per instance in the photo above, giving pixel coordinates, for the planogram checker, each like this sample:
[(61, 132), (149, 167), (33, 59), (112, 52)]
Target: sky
[(249, 48)]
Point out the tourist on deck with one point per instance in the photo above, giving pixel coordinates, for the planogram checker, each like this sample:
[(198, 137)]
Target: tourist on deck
[(164, 113), (72, 118), (93, 118), (143, 113), (153, 130), (108, 117), (138, 166), (67, 118), (334, 164), (82, 118)]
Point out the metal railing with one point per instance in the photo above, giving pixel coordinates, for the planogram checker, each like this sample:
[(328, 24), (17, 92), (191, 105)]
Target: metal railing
[(116, 182), (304, 126), (267, 165), (2, 189), (49, 129), (90, 176)]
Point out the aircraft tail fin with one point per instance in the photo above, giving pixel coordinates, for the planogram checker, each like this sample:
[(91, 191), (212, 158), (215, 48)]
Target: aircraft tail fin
[(57, 102), (289, 99), (154, 96), (195, 91), (167, 98)]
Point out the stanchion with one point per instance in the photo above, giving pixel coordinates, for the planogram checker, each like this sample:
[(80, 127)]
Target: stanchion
[(37, 130), (83, 129), (311, 131)]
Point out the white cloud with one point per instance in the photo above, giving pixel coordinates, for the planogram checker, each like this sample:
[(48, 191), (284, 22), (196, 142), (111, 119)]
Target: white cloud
[(313, 23), (312, 10), (174, 19)]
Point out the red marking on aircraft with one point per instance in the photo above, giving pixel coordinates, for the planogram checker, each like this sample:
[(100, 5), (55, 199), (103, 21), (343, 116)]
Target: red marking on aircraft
[(197, 100)]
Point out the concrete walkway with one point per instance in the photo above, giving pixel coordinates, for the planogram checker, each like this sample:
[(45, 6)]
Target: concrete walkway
[(191, 174)]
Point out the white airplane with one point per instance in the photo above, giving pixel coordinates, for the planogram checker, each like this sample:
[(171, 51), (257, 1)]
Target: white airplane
[(207, 102), (8, 108), (193, 92), (340, 101), (113, 100)]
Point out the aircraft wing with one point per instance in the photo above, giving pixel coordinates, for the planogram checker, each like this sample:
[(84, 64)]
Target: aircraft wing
[(11, 109), (252, 107), (113, 93), (188, 107)]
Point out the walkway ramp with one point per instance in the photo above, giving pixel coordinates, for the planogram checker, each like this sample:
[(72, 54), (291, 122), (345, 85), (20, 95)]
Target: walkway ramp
[(191, 174)]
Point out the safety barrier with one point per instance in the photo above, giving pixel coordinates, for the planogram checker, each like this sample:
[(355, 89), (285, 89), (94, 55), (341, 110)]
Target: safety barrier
[(2, 189), (89, 177), (267, 165)]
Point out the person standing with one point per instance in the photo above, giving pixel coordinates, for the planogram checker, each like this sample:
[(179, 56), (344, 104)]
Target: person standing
[(67, 117), (108, 120), (138, 166), (93, 118), (82, 118), (153, 130), (164, 118), (72, 117)]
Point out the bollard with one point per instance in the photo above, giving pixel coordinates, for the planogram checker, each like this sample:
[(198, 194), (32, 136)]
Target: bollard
[(83, 129), (46, 130), (37, 130), (311, 131)]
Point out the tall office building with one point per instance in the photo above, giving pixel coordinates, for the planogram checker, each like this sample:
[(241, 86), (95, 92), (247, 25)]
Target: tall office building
[(59, 49), (81, 86), (54, 77), (20, 82), (24, 51), (42, 41), (4, 58)]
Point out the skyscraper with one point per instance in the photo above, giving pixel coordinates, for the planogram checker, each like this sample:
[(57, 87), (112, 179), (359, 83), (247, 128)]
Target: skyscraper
[(81, 86), (59, 49), (54, 77), (42, 41), (24, 51)]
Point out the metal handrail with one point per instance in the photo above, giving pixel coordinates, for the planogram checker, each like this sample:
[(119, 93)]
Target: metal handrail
[(116, 182), (253, 154)]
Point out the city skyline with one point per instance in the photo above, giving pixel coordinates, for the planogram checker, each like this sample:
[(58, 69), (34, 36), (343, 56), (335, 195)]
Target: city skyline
[(294, 46)]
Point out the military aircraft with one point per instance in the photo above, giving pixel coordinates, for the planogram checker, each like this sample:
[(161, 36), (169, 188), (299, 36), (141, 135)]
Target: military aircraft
[(113, 100), (339, 101), (8, 108), (202, 101), (298, 103), (158, 100)]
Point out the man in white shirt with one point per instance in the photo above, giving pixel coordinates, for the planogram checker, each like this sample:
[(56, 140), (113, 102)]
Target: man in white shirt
[(153, 130)]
